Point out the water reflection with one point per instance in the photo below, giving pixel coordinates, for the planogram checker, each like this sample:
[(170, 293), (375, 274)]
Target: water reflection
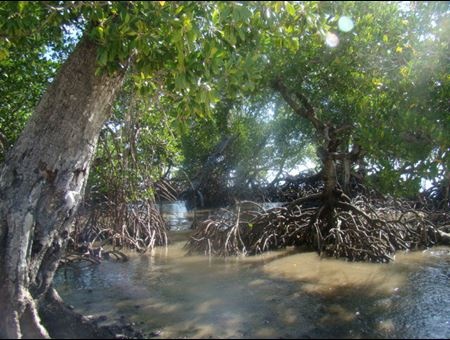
[(279, 294), (283, 294)]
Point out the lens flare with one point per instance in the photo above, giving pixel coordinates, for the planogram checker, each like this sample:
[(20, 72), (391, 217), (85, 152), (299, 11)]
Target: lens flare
[(345, 24), (331, 39)]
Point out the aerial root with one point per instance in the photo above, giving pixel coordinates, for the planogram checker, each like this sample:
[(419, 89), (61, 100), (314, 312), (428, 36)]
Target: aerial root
[(359, 231), (134, 227)]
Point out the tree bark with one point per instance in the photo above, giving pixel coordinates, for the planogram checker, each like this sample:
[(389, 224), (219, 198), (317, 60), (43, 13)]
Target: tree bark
[(42, 182)]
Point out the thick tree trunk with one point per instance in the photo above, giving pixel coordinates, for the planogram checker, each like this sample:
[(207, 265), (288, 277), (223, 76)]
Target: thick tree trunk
[(41, 184)]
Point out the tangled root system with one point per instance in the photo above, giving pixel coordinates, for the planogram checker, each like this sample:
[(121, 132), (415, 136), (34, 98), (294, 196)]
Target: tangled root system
[(360, 230)]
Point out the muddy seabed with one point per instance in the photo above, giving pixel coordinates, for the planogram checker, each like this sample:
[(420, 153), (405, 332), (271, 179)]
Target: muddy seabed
[(283, 294)]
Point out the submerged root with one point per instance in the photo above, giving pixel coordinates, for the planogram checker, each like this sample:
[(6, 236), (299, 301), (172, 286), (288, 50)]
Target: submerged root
[(359, 231)]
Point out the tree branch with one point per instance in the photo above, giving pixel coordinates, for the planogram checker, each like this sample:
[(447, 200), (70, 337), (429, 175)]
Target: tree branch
[(299, 103)]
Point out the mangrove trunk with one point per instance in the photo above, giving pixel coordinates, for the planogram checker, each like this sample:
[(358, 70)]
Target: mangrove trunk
[(41, 184)]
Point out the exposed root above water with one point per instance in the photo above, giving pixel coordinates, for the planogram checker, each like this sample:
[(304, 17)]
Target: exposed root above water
[(139, 227), (360, 230)]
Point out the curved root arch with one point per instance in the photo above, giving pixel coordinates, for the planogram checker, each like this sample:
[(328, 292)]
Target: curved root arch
[(358, 231)]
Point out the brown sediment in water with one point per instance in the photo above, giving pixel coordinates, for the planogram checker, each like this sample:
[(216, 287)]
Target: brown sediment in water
[(277, 294)]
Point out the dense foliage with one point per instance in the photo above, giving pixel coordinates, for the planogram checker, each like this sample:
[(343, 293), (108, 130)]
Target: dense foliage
[(202, 72)]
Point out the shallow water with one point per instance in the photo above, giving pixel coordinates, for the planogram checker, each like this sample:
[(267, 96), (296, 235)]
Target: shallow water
[(281, 294)]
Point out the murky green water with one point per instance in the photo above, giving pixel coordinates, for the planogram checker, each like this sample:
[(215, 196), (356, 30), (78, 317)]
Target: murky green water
[(276, 295)]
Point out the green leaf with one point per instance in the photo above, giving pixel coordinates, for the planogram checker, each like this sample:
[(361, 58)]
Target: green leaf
[(290, 8), (21, 5), (103, 57), (4, 54), (180, 82)]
